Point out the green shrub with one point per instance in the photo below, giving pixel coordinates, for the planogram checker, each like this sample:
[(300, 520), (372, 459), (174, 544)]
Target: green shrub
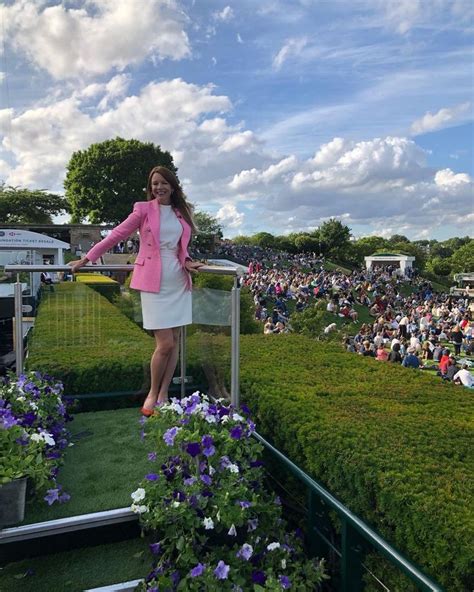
[(85, 342), (394, 445)]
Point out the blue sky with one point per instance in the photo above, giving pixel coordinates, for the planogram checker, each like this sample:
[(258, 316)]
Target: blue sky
[(280, 114)]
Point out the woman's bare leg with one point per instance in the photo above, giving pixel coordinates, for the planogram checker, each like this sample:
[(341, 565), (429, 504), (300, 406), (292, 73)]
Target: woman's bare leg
[(170, 368), (164, 347)]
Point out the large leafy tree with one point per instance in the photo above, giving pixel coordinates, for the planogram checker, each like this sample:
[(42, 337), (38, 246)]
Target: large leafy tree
[(207, 224), (462, 259), (25, 206), (334, 237), (104, 181)]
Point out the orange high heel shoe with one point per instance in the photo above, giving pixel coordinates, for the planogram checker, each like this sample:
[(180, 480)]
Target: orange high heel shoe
[(147, 412)]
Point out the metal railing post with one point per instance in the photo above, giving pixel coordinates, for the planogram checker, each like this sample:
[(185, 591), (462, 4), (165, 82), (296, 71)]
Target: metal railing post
[(352, 557), (18, 326), (318, 525), (235, 344), (182, 358)]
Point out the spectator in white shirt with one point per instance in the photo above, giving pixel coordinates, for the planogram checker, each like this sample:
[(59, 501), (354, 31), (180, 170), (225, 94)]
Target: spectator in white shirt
[(464, 377)]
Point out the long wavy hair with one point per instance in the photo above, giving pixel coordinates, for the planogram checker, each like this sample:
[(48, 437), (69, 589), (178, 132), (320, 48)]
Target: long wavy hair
[(178, 198)]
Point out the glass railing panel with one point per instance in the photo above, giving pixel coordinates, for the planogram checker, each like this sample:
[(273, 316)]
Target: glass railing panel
[(88, 334)]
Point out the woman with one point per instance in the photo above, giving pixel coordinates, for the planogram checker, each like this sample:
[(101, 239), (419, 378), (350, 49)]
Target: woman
[(161, 272)]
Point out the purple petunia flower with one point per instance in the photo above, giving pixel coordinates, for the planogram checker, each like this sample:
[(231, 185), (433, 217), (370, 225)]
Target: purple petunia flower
[(175, 578), (258, 577), (155, 548), (245, 552), (170, 435), (151, 477), (197, 571), (209, 451), (236, 432), (8, 420), (189, 481), (206, 479), (193, 449), (51, 454), (51, 496), (222, 571), (22, 440), (285, 582), (28, 419), (152, 456), (252, 524), (64, 497), (244, 504)]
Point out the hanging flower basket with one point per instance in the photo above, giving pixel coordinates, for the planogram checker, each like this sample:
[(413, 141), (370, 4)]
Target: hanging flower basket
[(12, 502)]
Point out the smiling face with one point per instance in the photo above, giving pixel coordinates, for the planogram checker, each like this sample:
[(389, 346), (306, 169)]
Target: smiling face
[(161, 189)]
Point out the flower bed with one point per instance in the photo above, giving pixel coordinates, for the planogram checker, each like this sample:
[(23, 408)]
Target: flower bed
[(216, 525), (33, 438)]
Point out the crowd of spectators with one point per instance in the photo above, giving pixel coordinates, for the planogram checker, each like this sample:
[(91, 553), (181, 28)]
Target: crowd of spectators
[(424, 329)]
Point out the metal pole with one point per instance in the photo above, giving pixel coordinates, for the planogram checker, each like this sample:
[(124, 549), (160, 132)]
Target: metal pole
[(182, 358), (235, 340), (18, 326)]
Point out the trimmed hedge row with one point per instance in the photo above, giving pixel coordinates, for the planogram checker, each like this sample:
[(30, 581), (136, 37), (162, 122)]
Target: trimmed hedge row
[(395, 445), (100, 283), (83, 340)]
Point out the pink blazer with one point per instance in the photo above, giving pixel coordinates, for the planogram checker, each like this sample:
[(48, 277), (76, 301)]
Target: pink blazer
[(145, 218)]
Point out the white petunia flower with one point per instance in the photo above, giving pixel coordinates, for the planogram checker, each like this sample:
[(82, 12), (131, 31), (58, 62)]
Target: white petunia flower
[(237, 417), (225, 419), (175, 504), (208, 523), (283, 563), (138, 495), (138, 509), (232, 531), (233, 468), (177, 408), (36, 438), (33, 405), (48, 438), (273, 546), (212, 470), (211, 419)]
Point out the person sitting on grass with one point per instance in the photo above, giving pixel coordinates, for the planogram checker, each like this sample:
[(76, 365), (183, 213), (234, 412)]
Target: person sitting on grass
[(394, 355), (464, 377), (382, 354), (411, 359), (451, 368)]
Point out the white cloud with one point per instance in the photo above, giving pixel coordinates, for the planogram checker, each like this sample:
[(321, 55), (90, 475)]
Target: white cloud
[(229, 217), (403, 15), (225, 15), (239, 38), (114, 89), (443, 118), (241, 141), (254, 176), (92, 40), (291, 49), (446, 179)]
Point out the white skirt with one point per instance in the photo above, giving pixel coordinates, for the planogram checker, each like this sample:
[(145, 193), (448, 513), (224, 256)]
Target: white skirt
[(172, 305)]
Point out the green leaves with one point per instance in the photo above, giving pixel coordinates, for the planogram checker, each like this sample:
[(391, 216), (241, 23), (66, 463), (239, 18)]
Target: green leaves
[(104, 181)]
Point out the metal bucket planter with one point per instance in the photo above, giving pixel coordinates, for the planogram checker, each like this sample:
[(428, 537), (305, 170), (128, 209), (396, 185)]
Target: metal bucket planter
[(12, 502)]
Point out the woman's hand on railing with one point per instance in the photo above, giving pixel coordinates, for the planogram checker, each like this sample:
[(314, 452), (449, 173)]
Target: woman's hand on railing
[(76, 265), (193, 266)]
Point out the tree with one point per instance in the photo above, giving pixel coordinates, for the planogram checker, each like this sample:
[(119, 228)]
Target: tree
[(207, 224), (439, 266), (104, 181), (398, 238), (25, 206), (462, 260), (368, 245), (264, 240), (408, 248), (334, 236), (306, 243)]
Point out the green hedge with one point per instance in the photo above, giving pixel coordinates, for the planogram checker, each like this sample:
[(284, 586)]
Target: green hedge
[(102, 284), (82, 339), (393, 444)]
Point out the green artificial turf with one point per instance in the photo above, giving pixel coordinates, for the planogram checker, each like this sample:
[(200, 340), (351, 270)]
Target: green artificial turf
[(103, 467), (78, 570)]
